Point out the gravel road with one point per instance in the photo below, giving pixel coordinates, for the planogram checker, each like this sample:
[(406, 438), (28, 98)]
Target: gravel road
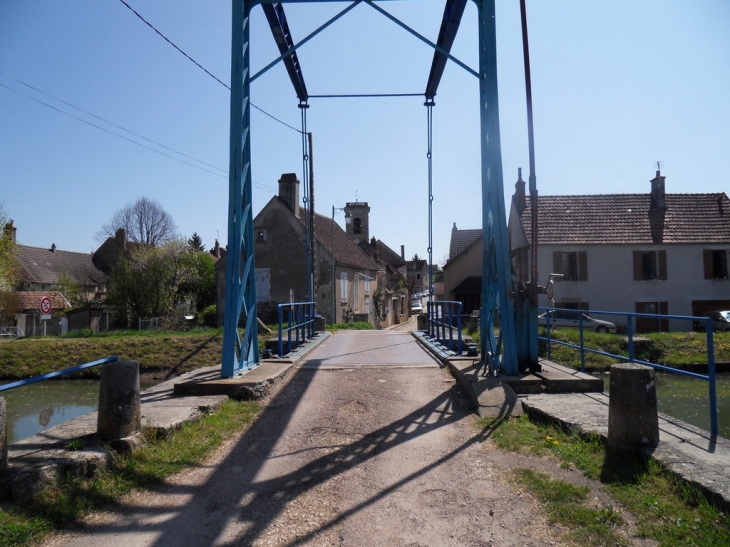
[(347, 455)]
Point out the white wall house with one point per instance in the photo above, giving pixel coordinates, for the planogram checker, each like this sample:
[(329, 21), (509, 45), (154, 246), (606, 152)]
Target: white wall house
[(646, 253)]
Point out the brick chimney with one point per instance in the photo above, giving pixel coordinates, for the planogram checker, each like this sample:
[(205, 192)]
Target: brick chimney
[(657, 208), (657, 192), (519, 196), (289, 191), (403, 252), (12, 229)]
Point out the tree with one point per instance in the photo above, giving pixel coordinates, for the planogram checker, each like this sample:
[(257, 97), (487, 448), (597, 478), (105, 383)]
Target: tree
[(167, 281), (10, 306), (416, 258), (144, 221), (9, 267), (196, 243)]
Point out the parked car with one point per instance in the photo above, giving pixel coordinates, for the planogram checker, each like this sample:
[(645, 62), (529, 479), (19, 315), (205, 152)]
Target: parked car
[(416, 307), (571, 319), (720, 321)]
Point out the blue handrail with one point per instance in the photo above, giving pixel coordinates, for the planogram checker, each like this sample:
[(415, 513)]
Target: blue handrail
[(443, 318), (299, 320), (630, 317), (40, 378)]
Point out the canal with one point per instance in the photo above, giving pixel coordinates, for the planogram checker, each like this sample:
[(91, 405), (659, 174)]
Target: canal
[(36, 407)]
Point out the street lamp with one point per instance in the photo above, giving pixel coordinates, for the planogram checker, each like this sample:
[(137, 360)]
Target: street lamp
[(348, 220)]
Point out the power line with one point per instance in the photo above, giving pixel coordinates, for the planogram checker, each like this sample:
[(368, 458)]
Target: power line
[(110, 123), (223, 173), (201, 67), (112, 133)]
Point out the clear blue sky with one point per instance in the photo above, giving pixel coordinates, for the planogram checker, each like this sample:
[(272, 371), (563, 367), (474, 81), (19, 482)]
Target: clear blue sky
[(617, 86)]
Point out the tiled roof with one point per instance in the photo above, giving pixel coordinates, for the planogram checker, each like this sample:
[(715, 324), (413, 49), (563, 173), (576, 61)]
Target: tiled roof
[(626, 218), (461, 239), (389, 255), (31, 300), (47, 266), (346, 251)]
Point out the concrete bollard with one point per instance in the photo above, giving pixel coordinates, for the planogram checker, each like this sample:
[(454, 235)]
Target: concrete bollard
[(3, 436), (119, 406), (633, 421)]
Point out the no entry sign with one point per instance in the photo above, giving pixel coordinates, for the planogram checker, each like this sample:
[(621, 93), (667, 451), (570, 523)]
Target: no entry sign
[(46, 305)]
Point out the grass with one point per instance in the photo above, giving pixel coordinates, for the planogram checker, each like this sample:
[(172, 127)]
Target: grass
[(163, 455), (565, 504), (162, 352), (674, 349), (360, 325), (664, 508)]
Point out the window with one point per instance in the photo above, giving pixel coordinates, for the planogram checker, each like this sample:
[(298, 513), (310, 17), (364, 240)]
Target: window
[(650, 265), (261, 235), (356, 226), (715, 263), (652, 324), (573, 265)]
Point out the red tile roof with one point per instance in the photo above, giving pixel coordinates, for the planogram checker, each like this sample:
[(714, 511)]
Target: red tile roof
[(346, 251), (461, 239), (31, 300), (625, 218)]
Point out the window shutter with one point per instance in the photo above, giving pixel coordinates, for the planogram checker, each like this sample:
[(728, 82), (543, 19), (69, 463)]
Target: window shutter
[(557, 262), (707, 263), (662, 257), (343, 286), (582, 266), (637, 266)]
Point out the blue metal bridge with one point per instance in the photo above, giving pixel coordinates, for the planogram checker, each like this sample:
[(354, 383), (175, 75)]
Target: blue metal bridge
[(515, 349)]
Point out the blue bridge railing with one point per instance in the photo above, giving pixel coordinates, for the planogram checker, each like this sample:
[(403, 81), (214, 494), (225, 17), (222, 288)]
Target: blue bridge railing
[(41, 377), (296, 324), (631, 358), (444, 323)]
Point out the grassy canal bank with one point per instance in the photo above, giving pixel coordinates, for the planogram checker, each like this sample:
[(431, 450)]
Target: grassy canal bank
[(165, 354)]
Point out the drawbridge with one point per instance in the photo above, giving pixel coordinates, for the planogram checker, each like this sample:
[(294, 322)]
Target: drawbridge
[(515, 348)]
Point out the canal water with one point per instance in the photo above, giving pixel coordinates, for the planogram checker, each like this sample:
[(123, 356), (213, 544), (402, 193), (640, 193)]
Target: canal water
[(687, 398), (37, 407)]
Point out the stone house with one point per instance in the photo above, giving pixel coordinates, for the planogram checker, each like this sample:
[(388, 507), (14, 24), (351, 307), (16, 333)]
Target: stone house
[(652, 253), (395, 295), (342, 294), (54, 270)]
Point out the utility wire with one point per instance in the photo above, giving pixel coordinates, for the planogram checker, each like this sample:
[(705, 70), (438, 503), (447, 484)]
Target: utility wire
[(110, 123), (223, 174), (111, 132), (196, 63)]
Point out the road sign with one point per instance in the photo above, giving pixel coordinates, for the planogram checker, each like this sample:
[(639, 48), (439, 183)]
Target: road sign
[(46, 305)]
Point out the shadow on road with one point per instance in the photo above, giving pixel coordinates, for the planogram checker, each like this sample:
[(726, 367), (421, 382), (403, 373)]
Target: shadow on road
[(254, 505)]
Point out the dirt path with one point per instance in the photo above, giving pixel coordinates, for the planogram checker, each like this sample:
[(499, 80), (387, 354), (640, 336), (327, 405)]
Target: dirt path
[(343, 455)]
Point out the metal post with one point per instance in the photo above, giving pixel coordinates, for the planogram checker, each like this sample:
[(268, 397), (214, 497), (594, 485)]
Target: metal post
[(496, 274), (711, 374), (334, 287), (239, 354)]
